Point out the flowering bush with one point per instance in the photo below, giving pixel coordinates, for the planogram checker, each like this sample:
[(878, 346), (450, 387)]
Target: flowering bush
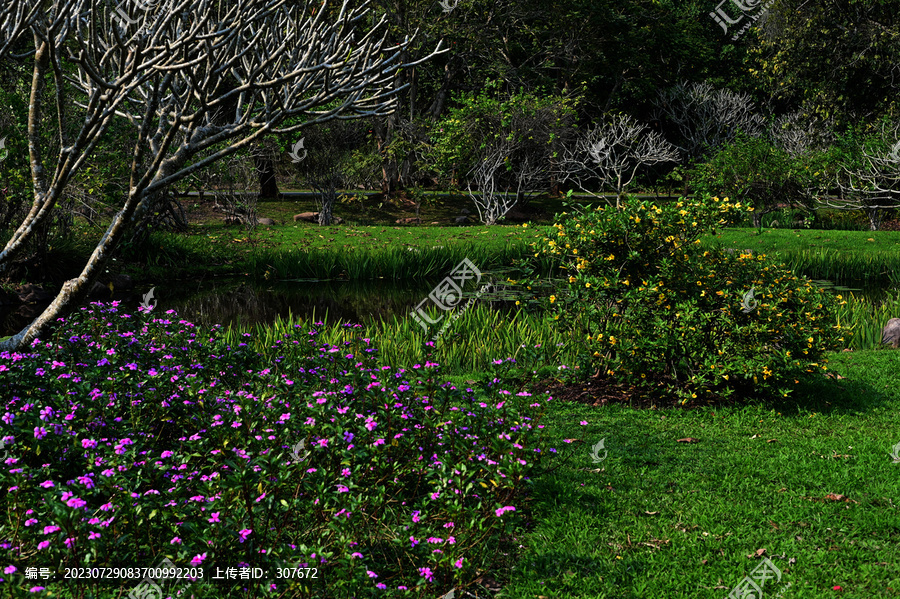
[(659, 311), (130, 439)]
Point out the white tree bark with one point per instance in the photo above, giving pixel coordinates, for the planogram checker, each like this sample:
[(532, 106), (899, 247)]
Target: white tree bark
[(198, 81), (612, 152)]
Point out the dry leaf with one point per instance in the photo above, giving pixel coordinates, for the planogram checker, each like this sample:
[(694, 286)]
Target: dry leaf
[(771, 440), (757, 553), (651, 513), (688, 440), (834, 497), (755, 437)]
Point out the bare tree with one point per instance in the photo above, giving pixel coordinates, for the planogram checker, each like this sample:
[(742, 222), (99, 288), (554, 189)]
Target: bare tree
[(188, 76), (798, 133), (491, 202), (705, 117), (873, 184), (612, 152)]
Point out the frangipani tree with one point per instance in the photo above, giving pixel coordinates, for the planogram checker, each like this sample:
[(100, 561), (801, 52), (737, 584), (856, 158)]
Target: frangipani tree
[(198, 79), (612, 152)]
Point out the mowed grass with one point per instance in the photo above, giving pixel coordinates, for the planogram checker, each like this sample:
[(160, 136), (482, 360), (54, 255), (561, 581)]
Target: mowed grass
[(809, 484)]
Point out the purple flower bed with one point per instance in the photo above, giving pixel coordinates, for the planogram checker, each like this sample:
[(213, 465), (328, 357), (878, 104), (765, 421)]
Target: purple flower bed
[(130, 438)]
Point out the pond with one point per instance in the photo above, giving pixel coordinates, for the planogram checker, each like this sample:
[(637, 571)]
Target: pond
[(238, 301)]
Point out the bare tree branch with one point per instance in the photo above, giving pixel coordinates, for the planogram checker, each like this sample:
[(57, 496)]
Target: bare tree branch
[(190, 75)]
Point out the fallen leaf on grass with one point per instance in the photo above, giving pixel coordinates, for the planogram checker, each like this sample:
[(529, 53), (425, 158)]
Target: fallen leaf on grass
[(757, 553), (771, 440), (688, 440), (839, 497), (651, 513)]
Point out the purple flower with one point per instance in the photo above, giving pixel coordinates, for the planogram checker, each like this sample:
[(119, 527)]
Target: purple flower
[(508, 508), (215, 517), (43, 545), (51, 528), (166, 454), (88, 443), (40, 432), (175, 541), (9, 569), (47, 484), (29, 522), (427, 573), (245, 533)]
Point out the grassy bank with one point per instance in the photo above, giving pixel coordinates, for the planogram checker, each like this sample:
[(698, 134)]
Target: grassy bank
[(844, 257), (356, 253)]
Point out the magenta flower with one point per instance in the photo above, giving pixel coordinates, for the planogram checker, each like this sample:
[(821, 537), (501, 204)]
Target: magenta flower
[(51, 528), (40, 432), (198, 559), (508, 508), (47, 484), (244, 534), (215, 517), (427, 573), (175, 541), (43, 545), (166, 454), (458, 563), (9, 569)]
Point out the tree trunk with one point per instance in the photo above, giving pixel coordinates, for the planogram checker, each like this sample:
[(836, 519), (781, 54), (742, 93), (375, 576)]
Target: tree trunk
[(268, 186)]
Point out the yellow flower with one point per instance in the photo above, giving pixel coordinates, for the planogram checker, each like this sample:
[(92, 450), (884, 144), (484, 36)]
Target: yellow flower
[(525, 226), (587, 284), (612, 340), (571, 279)]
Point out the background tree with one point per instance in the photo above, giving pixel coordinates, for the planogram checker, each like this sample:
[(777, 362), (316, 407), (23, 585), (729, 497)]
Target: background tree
[(612, 152), (838, 59), (168, 74)]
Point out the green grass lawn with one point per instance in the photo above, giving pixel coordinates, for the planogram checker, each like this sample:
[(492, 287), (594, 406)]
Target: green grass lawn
[(810, 485)]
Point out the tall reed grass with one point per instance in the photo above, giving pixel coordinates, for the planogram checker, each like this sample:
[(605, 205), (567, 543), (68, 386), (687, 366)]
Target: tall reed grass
[(867, 319), (469, 345)]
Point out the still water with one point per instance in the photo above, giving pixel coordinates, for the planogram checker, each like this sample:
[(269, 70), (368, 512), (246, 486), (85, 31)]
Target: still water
[(238, 301)]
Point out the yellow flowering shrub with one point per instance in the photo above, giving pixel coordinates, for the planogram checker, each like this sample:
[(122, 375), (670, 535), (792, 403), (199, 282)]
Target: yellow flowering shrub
[(657, 310)]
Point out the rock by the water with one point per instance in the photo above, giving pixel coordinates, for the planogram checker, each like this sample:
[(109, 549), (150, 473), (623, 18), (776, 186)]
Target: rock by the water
[(890, 335)]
